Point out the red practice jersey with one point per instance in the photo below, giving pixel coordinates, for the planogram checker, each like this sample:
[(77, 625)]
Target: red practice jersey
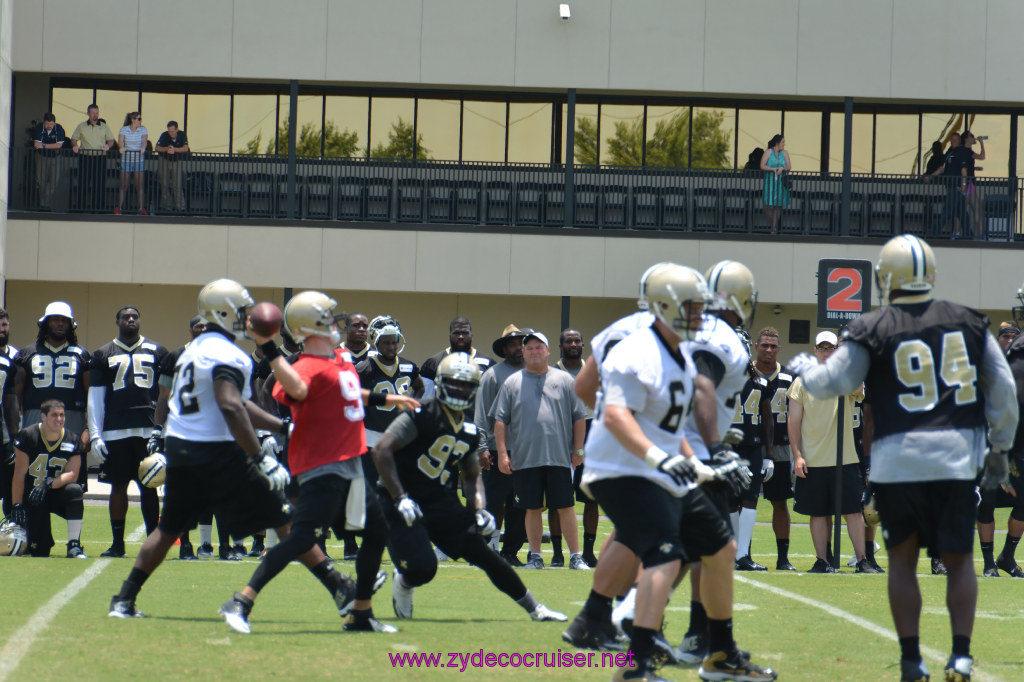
[(329, 422)]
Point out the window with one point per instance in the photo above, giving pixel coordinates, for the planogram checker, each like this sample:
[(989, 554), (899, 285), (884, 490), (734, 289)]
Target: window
[(997, 146), (937, 127), (585, 149), (437, 120), (255, 127), (209, 117), (114, 106), (668, 136), (391, 130), (309, 127), (896, 144), (622, 134), (158, 108), (483, 131), (756, 127), (861, 147), (529, 132), (346, 125), (69, 105), (713, 138), (803, 140)]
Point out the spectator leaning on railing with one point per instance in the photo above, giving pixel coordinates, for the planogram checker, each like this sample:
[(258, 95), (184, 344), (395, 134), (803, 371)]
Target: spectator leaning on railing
[(173, 148), (131, 139), (92, 139), (47, 139)]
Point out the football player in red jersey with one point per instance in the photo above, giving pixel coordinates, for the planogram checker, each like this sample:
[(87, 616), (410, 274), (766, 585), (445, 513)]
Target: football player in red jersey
[(322, 389)]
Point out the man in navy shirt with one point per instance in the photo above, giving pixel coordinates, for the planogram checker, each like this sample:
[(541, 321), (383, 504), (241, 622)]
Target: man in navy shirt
[(47, 139), (173, 148), (954, 175)]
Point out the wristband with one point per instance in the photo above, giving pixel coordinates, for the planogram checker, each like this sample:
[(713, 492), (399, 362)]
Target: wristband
[(270, 351), (377, 399), (655, 456)]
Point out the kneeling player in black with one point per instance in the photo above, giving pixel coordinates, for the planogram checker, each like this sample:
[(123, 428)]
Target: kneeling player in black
[(47, 462), (415, 457)]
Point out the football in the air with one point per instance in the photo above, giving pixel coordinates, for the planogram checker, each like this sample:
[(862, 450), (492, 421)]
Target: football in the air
[(265, 318)]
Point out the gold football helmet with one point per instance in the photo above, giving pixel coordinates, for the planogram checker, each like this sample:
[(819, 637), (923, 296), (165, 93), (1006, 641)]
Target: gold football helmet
[(906, 263), (225, 303), (641, 301), (311, 313), (458, 377), (13, 539), (732, 288), (153, 470), (670, 290), (870, 511)]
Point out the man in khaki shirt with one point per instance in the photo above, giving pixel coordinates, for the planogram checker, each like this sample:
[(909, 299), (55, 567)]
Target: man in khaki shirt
[(93, 137), (813, 426)]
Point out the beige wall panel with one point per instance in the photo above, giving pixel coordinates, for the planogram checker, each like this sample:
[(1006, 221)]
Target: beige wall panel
[(556, 266), (555, 53), (591, 315), (657, 45), (91, 37), (920, 61), (464, 49), (1000, 276), (375, 41), (844, 47), (751, 47), (207, 34), (771, 263), (345, 265), (21, 251), (180, 254), (1004, 50), (28, 53), (66, 254), (463, 262), (625, 260), (275, 256), (272, 39), (959, 276)]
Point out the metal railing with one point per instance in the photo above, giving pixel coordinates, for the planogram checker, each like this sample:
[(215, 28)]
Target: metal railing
[(635, 198)]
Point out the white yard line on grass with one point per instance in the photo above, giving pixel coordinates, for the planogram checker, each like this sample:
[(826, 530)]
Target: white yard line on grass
[(933, 655), (21, 641)]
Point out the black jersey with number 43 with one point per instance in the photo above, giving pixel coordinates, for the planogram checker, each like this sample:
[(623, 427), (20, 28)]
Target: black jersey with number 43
[(129, 374), (924, 365), (46, 460), (53, 373), (433, 442)]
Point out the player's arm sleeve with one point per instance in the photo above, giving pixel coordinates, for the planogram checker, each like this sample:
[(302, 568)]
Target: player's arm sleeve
[(841, 375), (1000, 391), (232, 374), (403, 430), (709, 365), (96, 410)]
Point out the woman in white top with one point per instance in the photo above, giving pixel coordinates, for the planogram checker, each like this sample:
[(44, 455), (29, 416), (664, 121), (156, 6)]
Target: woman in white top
[(132, 142)]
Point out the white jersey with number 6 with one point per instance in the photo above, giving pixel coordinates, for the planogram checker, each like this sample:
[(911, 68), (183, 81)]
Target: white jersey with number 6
[(194, 414), (653, 380)]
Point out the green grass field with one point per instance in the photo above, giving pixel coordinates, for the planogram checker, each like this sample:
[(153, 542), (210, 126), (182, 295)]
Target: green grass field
[(297, 633)]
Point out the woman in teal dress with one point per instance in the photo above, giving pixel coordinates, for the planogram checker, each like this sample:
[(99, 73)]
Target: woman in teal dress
[(774, 163)]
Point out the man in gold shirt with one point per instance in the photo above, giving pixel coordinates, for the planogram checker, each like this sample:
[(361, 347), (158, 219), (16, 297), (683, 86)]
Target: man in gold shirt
[(813, 428), (91, 141)]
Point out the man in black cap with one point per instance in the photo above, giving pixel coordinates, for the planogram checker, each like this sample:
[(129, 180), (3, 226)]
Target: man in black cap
[(498, 486)]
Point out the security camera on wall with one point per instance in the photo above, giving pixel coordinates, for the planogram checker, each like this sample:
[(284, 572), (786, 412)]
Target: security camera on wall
[(563, 11)]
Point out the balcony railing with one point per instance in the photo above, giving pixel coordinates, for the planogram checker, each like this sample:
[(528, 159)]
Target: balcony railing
[(538, 195)]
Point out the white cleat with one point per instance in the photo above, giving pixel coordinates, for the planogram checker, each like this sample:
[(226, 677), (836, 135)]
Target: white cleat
[(401, 596), (542, 613)]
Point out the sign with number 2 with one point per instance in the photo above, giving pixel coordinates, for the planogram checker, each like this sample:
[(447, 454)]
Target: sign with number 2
[(844, 291)]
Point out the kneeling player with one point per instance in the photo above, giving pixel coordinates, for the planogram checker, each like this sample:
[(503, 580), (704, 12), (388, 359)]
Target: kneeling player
[(415, 457), (47, 462)]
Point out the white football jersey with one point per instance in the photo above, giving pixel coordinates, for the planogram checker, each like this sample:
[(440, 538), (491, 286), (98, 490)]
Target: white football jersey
[(642, 373), (605, 340), (194, 414), (720, 340)]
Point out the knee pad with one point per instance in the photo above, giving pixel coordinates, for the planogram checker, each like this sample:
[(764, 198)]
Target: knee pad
[(1017, 514), (420, 571), (303, 537), (987, 513), (75, 493)]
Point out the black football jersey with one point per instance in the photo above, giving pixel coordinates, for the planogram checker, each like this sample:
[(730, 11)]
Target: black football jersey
[(53, 373), (166, 368), (129, 374), (778, 388), (924, 365), (364, 354), (428, 466), (1015, 356), (376, 377), (749, 404), (46, 460)]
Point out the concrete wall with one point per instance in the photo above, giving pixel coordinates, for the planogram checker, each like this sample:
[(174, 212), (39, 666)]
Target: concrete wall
[(6, 90), (889, 49)]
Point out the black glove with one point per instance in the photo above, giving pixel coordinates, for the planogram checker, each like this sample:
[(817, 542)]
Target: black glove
[(19, 515), (996, 473), (38, 494), (734, 473), (155, 443)]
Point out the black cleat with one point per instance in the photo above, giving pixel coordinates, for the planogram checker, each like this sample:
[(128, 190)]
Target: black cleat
[(558, 561), (590, 559), (124, 608), (186, 552), (205, 551), (1009, 566), (512, 559), (938, 568), (958, 668), (784, 565), (720, 665), (745, 563), (821, 566), (991, 572), (361, 622), (258, 548), (913, 671), (116, 551), (865, 566), (228, 554), (236, 614), (75, 550), (345, 595), (585, 633), (692, 649)]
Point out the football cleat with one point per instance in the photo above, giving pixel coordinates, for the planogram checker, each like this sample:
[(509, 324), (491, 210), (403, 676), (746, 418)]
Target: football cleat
[(745, 563), (75, 550), (542, 613), (643, 671), (401, 596), (361, 622), (821, 566), (186, 552), (958, 668), (664, 653), (205, 551), (236, 615), (115, 551), (378, 582), (720, 665), (441, 556), (939, 568), (866, 566), (784, 565), (512, 559), (558, 561), (590, 559), (124, 608), (1009, 566), (345, 596), (692, 649), (991, 572), (576, 563), (585, 633), (536, 561), (258, 548), (913, 671)]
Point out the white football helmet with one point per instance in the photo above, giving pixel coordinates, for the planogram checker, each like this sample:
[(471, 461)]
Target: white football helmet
[(13, 539), (311, 313), (906, 263), (457, 367), (670, 289), (225, 303), (732, 288), (377, 328), (641, 301)]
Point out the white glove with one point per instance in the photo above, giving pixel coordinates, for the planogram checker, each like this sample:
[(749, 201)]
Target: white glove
[(409, 510), (484, 523), (268, 444), (681, 469), (767, 469), (277, 476), (98, 449)]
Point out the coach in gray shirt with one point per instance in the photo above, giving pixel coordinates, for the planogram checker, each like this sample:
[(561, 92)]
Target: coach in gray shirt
[(541, 422)]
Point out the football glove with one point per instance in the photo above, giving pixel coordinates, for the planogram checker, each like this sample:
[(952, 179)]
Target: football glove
[(155, 443), (38, 494), (270, 469), (681, 469), (268, 445), (996, 473), (19, 514), (767, 470), (409, 510), (484, 522), (734, 473), (99, 450)]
